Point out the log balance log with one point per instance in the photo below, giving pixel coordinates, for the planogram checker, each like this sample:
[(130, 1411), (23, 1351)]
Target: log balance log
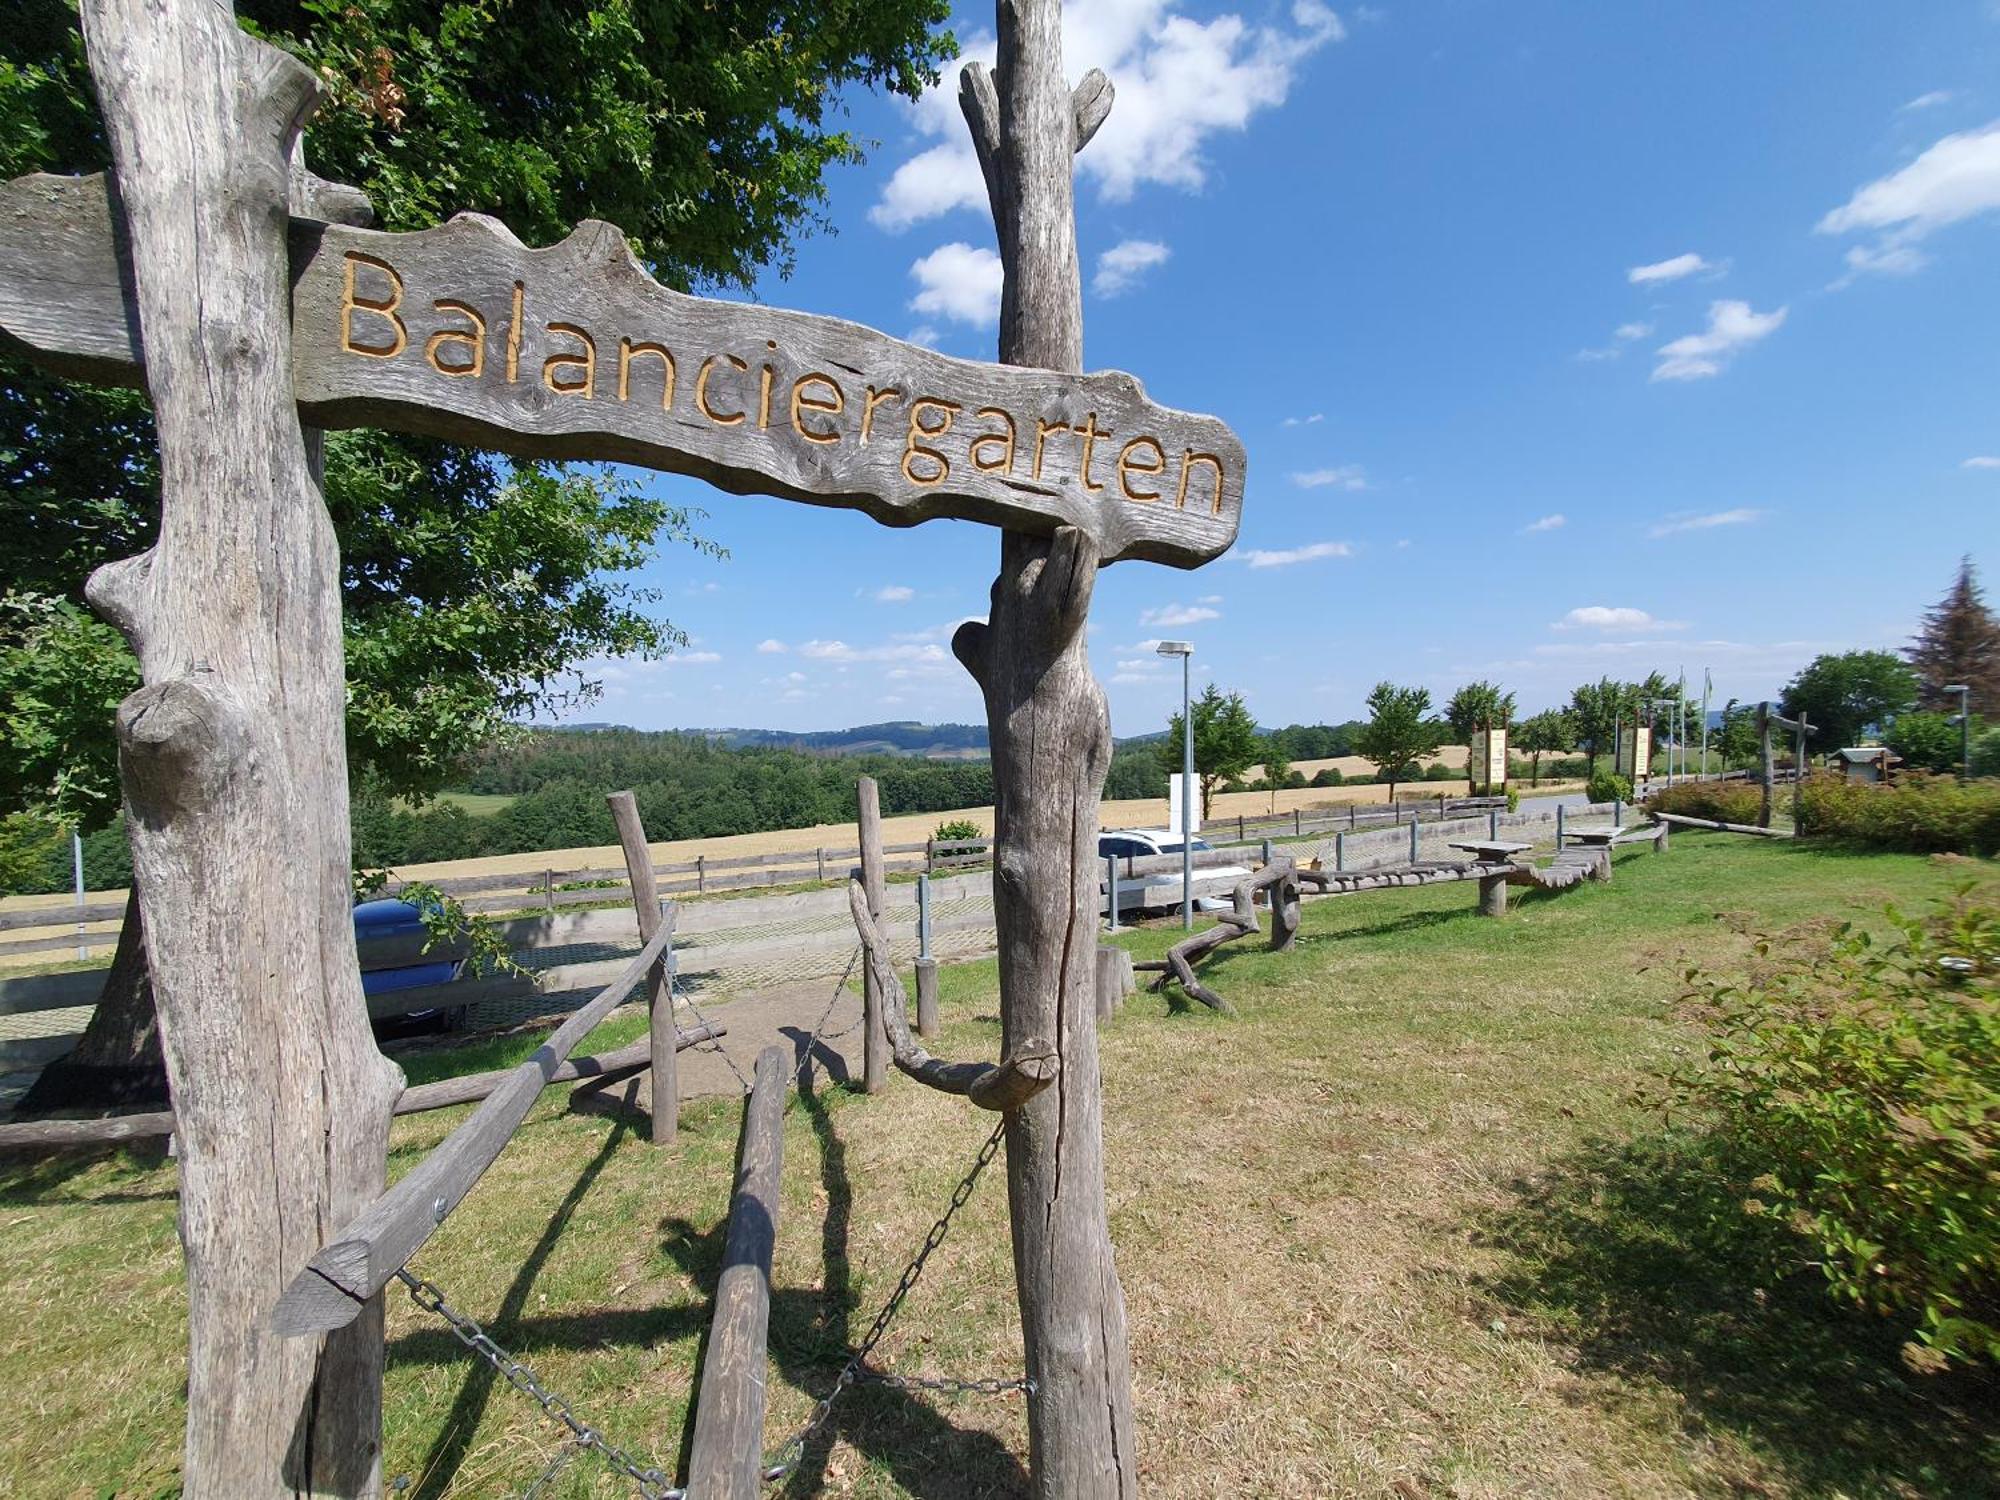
[(727, 1456), (607, 1068), (359, 1258), (1681, 820), (1281, 878), (1004, 1085)]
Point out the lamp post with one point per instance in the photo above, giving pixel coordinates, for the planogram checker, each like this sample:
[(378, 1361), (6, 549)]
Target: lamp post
[(1964, 728), (1185, 651)]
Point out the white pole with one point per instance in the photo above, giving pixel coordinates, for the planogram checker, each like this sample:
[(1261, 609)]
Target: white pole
[(1187, 798), (76, 860), (1705, 687)]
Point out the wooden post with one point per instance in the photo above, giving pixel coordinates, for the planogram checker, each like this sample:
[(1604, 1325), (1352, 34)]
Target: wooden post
[(700, 874), (664, 1042), (1769, 763), (549, 890), (1493, 896), (1413, 839), (820, 856), (726, 1458), (1799, 771), (1340, 850), (1051, 746), (1284, 899), (927, 997), (1559, 827), (232, 756), (875, 1037)]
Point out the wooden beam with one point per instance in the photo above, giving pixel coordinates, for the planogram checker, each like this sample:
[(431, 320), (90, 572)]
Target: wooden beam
[(666, 1110), (605, 1068), (1681, 820), (359, 1260), (874, 1044), (464, 333), (727, 1454)]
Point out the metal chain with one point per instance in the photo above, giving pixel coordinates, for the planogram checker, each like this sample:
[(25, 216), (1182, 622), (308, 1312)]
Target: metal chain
[(713, 1044), (653, 1483), (789, 1456), (818, 1035)]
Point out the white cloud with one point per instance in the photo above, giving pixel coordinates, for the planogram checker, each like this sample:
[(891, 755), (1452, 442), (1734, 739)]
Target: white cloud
[(1209, 599), (1120, 268), (961, 282), (772, 648), (1958, 178), (1180, 81), (1170, 616), (894, 593), (1612, 617), (838, 650), (1140, 664), (1547, 523), (1732, 326), (1593, 356), (1318, 416), (923, 334), (1883, 259), (1285, 557), (1981, 461), (690, 659), (1633, 330), (1345, 476), (1669, 270), (1741, 516), (1929, 101)]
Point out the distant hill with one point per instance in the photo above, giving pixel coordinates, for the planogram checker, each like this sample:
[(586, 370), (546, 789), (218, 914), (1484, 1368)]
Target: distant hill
[(898, 737)]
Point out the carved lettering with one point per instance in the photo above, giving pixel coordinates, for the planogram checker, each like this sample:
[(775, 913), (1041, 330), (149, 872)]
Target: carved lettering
[(1003, 440), (875, 399), (719, 418), (474, 363), (352, 301), (629, 351), (764, 391), (1044, 430), (514, 334), (802, 403), (1128, 466), (586, 386), (1090, 432), (946, 410), (1188, 460)]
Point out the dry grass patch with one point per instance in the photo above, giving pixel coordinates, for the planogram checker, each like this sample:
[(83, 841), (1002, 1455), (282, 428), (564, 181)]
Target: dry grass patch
[(1398, 1231)]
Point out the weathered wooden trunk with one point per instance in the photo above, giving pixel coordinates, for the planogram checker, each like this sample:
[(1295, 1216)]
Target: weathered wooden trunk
[(1051, 744), (117, 1062), (233, 757)]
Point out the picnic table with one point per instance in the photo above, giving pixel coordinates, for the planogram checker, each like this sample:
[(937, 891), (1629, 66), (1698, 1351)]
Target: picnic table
[(1599, 836), (1492, 851)]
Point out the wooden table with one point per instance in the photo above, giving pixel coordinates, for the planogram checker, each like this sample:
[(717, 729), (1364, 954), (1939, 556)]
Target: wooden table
[(1593, 838), (1492, 851)]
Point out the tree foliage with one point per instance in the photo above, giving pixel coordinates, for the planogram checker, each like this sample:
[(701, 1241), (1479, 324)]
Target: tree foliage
[(1476, 706), (1596, 709), (1841, 695), (1959, 643), (1399, 731), (1549, 732), (1925, 741), (1225, 741)]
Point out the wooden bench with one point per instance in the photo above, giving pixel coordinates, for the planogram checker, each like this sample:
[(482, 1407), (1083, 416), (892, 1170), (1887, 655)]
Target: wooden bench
[(1600, 837)]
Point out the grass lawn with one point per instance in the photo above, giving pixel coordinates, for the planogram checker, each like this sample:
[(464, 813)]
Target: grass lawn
[(1398, 1231)]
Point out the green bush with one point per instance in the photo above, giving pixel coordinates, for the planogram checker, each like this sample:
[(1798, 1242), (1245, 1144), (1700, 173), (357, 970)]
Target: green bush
[(1608, 786), (1921, 814), (1513, 798), (959, 828), (1861, 1078), (1724, 801), (1438, 771), (1329, 776)]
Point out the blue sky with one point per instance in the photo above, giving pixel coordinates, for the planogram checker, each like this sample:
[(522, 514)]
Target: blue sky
[(1565, 339)]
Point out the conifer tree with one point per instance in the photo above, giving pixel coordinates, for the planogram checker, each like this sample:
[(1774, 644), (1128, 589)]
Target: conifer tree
[(1959, 643)]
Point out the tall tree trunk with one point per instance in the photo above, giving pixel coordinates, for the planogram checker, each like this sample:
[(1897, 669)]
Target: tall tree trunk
[(117, 1063), (233, 758), (1051, 746)]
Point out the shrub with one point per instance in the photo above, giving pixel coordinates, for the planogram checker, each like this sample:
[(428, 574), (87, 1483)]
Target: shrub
[(1724, 801), (1862, 1080), (1438, 771), (1922, 814), (1608, 786), (959, 828), (1513, 798), (1330, 776)]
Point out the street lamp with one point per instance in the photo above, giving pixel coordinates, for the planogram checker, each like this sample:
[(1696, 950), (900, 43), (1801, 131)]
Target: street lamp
[(1185, 651), (1964, 728)]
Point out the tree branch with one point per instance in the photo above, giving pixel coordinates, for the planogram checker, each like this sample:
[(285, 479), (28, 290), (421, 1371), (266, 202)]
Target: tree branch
[(999, 1086)]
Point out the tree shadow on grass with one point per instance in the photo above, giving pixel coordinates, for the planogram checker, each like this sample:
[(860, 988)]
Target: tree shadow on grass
[(1642, 1255), (810, 1341)]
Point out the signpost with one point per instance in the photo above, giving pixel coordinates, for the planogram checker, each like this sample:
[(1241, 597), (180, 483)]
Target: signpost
[(248, 299)]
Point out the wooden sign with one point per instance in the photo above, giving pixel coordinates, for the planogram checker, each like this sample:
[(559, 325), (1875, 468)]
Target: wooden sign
[(1486, 758), (463, 332)]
